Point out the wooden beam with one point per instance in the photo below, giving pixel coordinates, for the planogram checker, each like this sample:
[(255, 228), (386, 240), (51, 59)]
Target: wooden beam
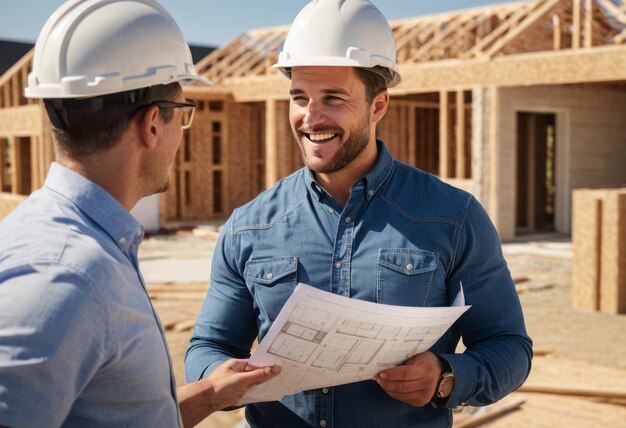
[(498, 32), (572, 391), (443, 135), (599, 64), (542, 9), (460, 134)]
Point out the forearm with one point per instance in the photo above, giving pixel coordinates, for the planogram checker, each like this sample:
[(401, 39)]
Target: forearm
[(195, 402)]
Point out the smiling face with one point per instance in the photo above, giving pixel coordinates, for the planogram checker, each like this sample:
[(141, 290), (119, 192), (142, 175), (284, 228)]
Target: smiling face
[(331, 120)]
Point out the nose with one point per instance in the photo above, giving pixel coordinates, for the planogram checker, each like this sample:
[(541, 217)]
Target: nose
[(313, 114)]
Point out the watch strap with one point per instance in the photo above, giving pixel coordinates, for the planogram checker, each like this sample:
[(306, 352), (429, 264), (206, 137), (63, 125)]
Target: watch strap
[(445, 369)]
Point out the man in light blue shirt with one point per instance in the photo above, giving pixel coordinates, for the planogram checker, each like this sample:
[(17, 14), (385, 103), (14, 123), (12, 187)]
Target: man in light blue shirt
[(80, 343), (357, 223)]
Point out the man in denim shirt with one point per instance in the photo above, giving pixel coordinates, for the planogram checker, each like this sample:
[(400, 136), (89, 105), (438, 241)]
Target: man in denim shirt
[(80, 343), (354, 222)]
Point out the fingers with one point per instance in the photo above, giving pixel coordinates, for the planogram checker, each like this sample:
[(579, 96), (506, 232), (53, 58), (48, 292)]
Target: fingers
[(400, 387)]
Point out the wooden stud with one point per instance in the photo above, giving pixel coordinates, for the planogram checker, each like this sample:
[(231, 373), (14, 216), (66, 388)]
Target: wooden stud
[(494, 161), (460, 134), (576, 24), (588, 23), (2, 163), (556, 24), (271, 155), (443, 135), (16, 165), (412, 136)]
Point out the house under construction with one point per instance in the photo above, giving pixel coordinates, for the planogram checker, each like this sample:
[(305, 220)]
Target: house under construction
[(517, 103)]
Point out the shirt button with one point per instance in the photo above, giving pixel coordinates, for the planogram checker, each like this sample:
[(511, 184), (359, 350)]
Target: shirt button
[(348, 219), (409, 267), (330, 210), (323, 422), (122, 240), (324, 390), (371, 193), (338, 265), (269, 276)]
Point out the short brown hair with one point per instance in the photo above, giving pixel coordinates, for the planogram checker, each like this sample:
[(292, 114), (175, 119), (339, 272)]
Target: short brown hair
[(373, 80), (90, 133)]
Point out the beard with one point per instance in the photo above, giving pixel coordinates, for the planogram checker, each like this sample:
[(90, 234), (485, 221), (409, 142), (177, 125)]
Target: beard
[(348, 151), (165, 187)]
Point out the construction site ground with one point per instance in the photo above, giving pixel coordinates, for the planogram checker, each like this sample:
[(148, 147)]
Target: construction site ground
[(578, 377)]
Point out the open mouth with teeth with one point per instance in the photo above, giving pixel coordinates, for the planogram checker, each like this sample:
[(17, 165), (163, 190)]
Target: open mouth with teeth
[(318, 138)]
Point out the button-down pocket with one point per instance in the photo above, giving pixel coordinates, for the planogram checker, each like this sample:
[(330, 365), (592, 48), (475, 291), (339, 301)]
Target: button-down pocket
[(405, 276), (272, 281)]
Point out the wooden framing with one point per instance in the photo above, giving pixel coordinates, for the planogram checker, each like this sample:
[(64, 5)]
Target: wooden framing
[(442, 59)]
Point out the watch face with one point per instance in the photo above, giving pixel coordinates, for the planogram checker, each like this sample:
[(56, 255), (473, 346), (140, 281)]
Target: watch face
[(445, 386)]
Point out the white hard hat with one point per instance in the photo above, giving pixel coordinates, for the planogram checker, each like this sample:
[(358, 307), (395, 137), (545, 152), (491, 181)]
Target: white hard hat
[(89, 48), (340, 33)]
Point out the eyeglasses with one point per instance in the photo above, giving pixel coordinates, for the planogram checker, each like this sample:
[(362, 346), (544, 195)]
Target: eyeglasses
[(189, 106)]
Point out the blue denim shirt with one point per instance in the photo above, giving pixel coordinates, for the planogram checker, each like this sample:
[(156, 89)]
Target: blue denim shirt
[(396, 216), (80, 345)]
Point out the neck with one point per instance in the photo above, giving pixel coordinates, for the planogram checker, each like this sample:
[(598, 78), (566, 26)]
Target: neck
[(339, 183), (114, 170)]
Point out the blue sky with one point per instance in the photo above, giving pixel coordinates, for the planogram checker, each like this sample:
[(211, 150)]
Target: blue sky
[(212, 22)]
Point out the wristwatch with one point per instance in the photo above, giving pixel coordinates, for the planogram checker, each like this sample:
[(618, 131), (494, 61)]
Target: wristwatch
[(445, 386)]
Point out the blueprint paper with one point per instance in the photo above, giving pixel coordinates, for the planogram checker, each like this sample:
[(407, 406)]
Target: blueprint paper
[(322, 339)]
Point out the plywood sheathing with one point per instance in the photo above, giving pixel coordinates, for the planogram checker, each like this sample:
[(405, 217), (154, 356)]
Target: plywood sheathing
[(599, 238)]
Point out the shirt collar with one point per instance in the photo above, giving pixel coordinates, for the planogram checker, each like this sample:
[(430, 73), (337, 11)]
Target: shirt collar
[(98, 204), (378, 175), (374, 179)]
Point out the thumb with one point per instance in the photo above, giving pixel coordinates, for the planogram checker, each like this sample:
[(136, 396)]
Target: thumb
[(260, 375)]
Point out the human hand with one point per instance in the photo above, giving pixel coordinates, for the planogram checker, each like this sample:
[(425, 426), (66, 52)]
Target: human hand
[(233, 378), (413, 382)]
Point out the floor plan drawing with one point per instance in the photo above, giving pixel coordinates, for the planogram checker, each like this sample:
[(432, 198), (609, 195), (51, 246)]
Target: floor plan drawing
[(321, 339)]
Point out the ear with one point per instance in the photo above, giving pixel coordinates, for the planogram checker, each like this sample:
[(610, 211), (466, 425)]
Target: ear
[(149, 125), (379, 105)]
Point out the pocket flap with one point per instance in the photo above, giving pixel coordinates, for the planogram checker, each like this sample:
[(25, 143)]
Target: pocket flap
[(269, 271), (407, 260)]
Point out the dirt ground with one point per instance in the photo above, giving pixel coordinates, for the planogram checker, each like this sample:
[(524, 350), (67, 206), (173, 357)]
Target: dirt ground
[(575, 352)]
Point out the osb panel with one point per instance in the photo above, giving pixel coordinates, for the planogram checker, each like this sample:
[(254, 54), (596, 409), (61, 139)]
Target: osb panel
[(24, 120), (246, 135), (289, 158), (585, 229), (200, 164), (613, 252)]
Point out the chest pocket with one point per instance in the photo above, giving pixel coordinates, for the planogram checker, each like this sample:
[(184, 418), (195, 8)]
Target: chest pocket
[(271, 282), (404, 276)]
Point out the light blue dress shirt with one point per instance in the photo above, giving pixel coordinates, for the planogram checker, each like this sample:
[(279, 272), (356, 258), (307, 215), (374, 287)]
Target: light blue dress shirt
[(80, 344), (403, 238)]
